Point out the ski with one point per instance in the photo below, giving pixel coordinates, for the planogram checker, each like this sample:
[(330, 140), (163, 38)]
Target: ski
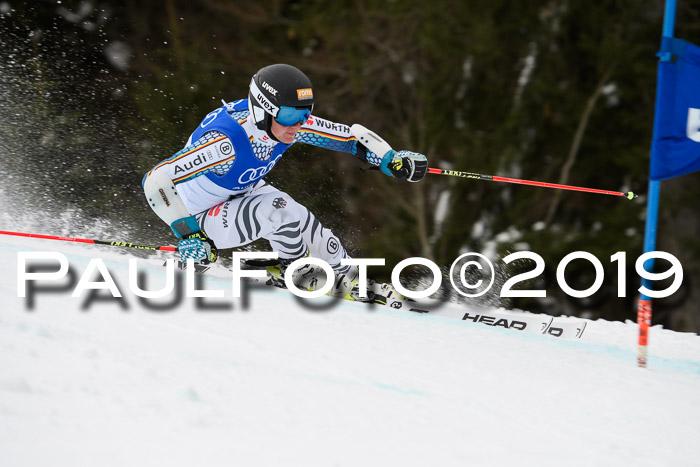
[(564, 327), (558, 327)]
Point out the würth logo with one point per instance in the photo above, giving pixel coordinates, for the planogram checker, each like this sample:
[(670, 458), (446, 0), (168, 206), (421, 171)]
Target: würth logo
[(279, 203), (214, 211)]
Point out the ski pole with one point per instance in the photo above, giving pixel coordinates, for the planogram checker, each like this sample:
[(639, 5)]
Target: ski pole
[(90, 240), (494, 178), (377, 145)]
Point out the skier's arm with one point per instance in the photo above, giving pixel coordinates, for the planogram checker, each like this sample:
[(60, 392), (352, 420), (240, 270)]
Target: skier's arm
[(213, 151), (334, 136), (159, 188), (402, 165)]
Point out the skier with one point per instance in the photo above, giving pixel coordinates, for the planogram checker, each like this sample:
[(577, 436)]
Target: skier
[(212, 193)]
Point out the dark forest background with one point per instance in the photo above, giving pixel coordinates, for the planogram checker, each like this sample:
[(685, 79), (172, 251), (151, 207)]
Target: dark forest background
[(94, 93)]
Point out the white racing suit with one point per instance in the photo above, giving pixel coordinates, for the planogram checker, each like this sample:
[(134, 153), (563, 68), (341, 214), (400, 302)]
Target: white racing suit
[(218, 175)]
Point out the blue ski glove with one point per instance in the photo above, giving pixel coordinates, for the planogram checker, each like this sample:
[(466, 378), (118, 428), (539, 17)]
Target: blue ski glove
[(198, 247), (407, 165)]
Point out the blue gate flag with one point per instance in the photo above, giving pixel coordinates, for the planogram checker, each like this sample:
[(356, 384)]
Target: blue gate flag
[(676, 148)]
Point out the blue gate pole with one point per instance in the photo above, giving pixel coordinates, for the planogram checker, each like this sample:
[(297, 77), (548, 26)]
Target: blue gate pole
[(644, 306)]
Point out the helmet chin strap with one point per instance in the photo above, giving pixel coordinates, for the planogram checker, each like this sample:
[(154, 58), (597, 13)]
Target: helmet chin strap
[(268, 127)]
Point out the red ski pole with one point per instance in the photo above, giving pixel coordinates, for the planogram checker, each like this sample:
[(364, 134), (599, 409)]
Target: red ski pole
[(494, 178), (90, 240)]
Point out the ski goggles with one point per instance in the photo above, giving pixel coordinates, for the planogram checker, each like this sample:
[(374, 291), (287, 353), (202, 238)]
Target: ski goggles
[(290, 116)]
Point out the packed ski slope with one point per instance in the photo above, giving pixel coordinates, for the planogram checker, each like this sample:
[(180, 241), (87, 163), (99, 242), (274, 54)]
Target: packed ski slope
[(277, 383)]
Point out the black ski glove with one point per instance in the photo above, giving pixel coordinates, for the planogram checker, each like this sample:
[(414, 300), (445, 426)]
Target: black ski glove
[(407, 165)]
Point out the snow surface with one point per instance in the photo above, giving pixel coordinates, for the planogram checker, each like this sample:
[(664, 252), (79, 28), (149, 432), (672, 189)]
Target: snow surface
[(281, 384)]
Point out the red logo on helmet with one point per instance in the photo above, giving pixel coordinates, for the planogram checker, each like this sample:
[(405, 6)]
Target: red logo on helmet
[(214, 211)]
